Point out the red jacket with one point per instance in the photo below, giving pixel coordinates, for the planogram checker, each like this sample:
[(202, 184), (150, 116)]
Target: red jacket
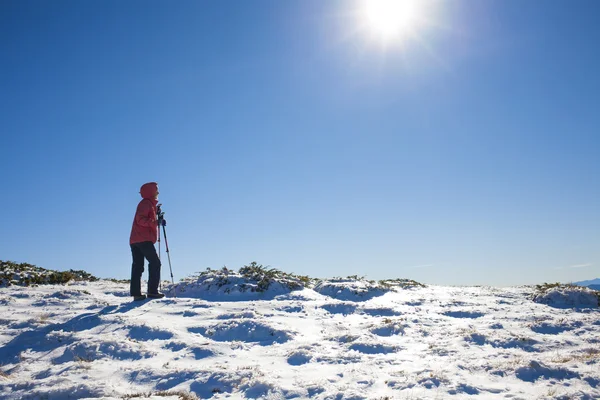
[(145, 224)]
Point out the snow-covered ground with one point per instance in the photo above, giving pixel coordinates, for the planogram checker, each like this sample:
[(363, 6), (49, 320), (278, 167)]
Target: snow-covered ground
[(339, 340)]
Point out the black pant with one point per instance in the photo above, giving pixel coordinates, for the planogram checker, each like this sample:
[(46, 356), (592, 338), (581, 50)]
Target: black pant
[(139, 251)]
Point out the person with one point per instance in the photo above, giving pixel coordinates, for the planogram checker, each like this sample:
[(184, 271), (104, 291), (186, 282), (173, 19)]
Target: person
[(144, 234)]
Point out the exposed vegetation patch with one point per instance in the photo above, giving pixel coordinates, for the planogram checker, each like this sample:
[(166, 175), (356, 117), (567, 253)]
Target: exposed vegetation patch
[(25, 274), (252, 278), (401, 283), (257, 278), (113, 280), (265, 277)]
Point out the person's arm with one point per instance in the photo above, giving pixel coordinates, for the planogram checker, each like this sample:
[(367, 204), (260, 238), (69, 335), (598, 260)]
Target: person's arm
[(145, 215)]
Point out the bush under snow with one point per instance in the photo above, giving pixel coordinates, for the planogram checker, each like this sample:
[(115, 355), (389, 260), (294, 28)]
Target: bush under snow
[(252, 281), (559, 295)]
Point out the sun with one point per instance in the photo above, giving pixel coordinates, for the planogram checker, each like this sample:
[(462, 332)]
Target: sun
[(393, 19)]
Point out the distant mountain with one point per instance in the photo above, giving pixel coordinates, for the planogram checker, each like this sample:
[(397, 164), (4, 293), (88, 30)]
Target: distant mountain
[(595, 287), (593, 282)]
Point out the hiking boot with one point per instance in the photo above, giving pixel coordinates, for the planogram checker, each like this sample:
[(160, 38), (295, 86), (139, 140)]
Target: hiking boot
[(156, 295), (139, 297)]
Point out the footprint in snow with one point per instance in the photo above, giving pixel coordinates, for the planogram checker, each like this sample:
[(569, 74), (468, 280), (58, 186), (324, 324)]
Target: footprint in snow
[(95, 306), (431, 381), (291, 309), (299, 358), (202, 305), (205, 387), (381, 312), (199, 353), (108, 350), (175, 346), (463, 314), (536, 370), (344, 338), (162, 379), (523, 343), (26, 324), (476, 338), (389, 330), (343, 309), (593, 382), (314, 391), (372, 348), (248, 314), (145, 333), (258, 390), (554, 329), (464, 388), (190, 314)]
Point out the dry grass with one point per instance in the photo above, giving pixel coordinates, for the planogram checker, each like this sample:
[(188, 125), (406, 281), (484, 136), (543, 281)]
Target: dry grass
[(44, 318), (582, 356), (181, 395), (509, 363), (82, 359)]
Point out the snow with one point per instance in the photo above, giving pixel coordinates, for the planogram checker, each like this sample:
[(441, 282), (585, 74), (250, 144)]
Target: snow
[(341, 339)]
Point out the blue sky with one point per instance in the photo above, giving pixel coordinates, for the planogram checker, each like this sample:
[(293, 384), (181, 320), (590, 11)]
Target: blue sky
[(283, 132)]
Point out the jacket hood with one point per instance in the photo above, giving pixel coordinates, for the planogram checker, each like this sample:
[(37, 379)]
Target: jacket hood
[(148, 190)]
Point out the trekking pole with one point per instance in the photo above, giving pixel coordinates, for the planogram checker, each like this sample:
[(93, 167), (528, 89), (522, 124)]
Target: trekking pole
[(159, 215), (168, 254)]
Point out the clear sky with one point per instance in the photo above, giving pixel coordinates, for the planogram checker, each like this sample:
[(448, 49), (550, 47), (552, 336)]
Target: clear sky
[(462, 147)]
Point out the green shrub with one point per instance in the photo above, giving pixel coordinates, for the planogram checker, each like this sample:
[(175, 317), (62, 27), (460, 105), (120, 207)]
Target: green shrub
[(24, 274)]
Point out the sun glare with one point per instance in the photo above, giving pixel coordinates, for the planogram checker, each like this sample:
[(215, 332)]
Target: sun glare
[(392, 19)]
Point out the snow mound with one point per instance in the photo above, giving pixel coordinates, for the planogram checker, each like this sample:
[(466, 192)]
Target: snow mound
[(566, 296), (250, 283), (351, 289)]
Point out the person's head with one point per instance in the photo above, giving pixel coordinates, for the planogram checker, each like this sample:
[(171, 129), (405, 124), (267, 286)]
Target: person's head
[(149, 190)]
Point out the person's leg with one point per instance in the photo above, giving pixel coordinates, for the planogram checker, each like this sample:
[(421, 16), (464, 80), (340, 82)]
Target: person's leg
[(137, 269), (153, 266)]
